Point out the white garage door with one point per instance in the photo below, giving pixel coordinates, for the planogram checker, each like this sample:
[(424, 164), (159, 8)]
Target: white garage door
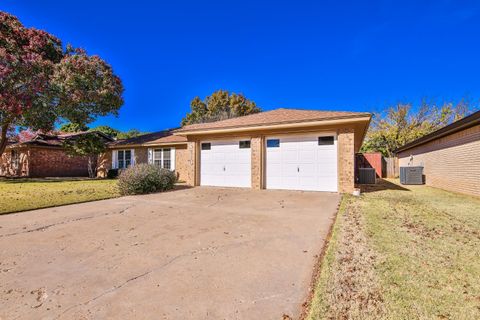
[(302, 162), (225, 163)]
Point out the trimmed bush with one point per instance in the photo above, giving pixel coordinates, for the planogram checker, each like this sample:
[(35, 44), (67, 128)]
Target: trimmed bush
[(145, 178)]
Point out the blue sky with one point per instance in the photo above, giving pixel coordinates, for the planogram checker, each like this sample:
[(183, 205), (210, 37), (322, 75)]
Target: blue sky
[(332, 55)]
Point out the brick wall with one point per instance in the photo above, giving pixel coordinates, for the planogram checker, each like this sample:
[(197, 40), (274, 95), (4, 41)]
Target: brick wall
[(141, 156), (346, 160), (256, 145), (451, 162), (192, 163), (346, 154), (50, 162), (104, 164), (181, 162)]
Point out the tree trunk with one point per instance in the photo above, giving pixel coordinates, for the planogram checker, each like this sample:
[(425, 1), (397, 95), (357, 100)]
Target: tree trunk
[(91, 172), (3, 139)]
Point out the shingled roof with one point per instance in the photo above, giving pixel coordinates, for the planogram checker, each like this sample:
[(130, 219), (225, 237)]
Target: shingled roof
[(55, 140), (462, 124), (159, 137), (277, 116)]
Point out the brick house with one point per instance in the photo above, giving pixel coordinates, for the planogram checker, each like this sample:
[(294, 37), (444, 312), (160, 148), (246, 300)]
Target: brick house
[(450, 156), (279, 149), (43, 156), (161, 148)]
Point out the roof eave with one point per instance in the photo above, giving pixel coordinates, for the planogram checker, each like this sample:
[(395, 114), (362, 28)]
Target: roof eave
[(158, 144), (283, 125), (462, 124)]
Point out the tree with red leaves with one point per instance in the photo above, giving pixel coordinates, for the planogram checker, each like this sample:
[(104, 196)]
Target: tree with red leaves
[(41, 83)]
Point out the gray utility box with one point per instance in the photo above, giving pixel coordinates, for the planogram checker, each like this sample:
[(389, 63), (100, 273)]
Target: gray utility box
[(411, 175), (367, 176)]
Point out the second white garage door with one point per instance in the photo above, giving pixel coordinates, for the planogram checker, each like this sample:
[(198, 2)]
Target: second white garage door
[(225, 163), (302, 162)]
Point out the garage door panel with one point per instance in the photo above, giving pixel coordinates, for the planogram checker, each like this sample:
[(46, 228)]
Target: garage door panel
[(230, 157), (275, 157), (290, 169), (308, 183), (225, 165), (290, 155), (272, 182), (289, 181), (306, 155), (217, 155), (300, 163), (237, 169), (307, 169)]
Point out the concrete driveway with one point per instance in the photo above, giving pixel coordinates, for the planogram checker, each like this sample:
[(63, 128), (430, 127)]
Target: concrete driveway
[(201, 253)]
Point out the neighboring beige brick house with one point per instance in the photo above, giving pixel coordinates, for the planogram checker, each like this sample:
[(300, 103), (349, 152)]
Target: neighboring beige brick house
[(280, 149), (450, 156)]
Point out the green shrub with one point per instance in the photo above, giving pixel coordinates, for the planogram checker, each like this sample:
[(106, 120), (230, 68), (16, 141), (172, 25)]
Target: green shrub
[(145, 178)]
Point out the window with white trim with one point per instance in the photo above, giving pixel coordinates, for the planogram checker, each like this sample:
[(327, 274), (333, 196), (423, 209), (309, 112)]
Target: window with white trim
[(163, 158), (124, 159)]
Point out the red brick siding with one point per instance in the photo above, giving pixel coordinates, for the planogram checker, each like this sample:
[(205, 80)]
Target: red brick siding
[(50, 162), (451, 162)]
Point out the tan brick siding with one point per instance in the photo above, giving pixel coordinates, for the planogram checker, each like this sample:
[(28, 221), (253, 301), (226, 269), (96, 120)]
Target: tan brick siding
[(346, 160), (181, 162), (193, 165), (451, 162), (257, 148), (49, 162), (346, 152), (104, 164), (141, 156)]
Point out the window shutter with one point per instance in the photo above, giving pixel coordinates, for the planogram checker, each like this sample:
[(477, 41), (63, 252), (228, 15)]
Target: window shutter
[(114, 159), (150, 155), (132, 157), (172, 159)]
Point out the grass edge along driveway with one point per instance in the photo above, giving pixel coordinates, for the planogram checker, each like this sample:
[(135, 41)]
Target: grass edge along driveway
[(401, 252), (29, 194)]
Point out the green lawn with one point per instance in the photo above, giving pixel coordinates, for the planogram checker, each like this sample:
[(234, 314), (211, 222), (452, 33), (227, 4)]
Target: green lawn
[(27, 194), (402, 253)]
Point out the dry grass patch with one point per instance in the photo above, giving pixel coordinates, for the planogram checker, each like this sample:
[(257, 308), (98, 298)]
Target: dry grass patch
[(348, 286), (27, 194), (402, 254)]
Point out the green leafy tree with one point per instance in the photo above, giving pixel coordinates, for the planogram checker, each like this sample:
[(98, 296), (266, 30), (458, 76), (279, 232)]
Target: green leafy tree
[(73, 127), (42, 84), (219, 106), (88, 145), (401, 124), (132, 133), (109, 131)]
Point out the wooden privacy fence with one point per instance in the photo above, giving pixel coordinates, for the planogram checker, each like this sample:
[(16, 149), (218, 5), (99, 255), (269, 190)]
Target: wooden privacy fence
[(391, 167), (384, 167)]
